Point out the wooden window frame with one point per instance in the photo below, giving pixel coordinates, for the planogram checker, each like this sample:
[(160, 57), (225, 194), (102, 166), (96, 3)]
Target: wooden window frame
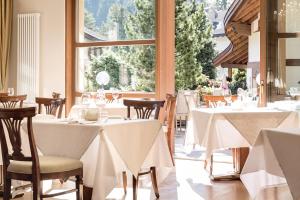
[(164, 43)]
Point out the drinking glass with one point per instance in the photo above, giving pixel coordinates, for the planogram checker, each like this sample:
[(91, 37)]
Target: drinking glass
[(85, 98), (115, 94), (10, 91)]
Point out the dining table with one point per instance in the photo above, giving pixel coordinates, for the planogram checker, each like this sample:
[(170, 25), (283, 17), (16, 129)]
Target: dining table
[(273, 162), (106, 147), (229, 127)]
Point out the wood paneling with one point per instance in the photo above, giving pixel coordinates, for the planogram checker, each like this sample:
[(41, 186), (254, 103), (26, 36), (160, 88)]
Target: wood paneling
[(237, 23)]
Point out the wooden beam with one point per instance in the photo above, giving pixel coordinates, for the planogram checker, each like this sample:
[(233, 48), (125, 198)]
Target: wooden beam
[(292, 62), (116, 43), (263, 51), (230, 65), (241, 29), (70, 53), (289, 35)]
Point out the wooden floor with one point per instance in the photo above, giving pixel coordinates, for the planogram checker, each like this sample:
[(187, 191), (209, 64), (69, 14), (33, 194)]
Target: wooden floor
[(188, 182)]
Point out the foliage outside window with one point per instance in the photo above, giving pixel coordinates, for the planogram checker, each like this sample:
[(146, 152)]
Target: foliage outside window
[(131, 67)]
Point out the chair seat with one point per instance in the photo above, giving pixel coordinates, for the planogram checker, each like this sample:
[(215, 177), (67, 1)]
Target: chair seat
[(48, 164)]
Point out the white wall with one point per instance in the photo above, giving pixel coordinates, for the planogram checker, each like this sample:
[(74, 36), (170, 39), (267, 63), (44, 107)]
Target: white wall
[(254, 47), (52, 44)]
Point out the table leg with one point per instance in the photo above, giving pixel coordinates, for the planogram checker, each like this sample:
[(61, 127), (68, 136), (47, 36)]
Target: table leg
[(240, 157), (87, 193)]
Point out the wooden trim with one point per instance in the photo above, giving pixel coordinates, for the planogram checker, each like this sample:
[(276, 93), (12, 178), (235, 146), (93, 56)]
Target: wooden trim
[(241, 29), (115, 43), (70, 18), (263, 51), (292, 62), (289, 35), (229, 65)]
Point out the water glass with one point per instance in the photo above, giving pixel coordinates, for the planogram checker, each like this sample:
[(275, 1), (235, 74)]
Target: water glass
[(115, 94), (85, 98), (10, 91)]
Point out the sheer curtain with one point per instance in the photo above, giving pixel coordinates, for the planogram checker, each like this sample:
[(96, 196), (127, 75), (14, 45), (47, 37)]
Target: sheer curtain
[(6, 17)]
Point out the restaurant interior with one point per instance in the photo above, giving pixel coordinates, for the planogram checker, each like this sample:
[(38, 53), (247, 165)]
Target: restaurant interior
[(150, 99)]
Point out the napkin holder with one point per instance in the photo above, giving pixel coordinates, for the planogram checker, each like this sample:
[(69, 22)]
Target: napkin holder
[(91, 114)]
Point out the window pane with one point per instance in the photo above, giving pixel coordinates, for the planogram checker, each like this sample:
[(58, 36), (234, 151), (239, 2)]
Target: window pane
[(131, 68), (111, 20), (288, 16)]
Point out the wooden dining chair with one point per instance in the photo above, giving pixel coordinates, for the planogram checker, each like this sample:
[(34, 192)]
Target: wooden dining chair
[(33, 168), (3, 94), (53, 106), (109, 98), (12, 101), (169, 121), (144, 109)]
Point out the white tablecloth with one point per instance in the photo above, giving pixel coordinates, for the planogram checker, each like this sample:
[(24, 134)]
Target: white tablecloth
[(217, 128), (112, 109), (273, 160), (106, 149)]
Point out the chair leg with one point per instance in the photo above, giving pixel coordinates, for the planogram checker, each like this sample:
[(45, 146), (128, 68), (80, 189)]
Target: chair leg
[(124, 177), (7, 189), (78, 181), (154, 181), (134, 187), (36, 190)]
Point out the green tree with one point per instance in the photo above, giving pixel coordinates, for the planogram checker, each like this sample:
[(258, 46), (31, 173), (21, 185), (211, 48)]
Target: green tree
[(141, 25), (106, 62), (239, 80), (194, 46), (89, 20)]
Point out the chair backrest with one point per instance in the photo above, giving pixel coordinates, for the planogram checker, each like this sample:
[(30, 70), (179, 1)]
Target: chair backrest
[(11, 119), (12, 101), (53, 106), (109, 98), (144, 107), (3, 94)]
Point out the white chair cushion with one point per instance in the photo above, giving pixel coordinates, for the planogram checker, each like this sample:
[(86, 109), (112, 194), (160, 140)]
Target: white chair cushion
[(48, 164)]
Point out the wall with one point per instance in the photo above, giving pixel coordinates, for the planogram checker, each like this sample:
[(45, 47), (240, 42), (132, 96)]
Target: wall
[(52, 44)]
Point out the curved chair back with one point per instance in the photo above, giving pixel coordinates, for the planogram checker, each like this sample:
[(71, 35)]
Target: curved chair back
[(12, 101), (53, 106), (143, 107)]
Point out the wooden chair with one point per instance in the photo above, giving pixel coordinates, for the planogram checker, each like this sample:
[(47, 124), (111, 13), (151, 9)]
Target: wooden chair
[(3, 94), (169, 122), (32, 168), (144, 109), (109, 98), (12, 101), (53, 106)]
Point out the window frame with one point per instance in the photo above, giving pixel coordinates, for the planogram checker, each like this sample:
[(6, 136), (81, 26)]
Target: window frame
[(164, 43)]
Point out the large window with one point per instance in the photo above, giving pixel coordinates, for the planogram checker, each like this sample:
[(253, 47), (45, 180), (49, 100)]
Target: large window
[(284, 68), (116, 36)]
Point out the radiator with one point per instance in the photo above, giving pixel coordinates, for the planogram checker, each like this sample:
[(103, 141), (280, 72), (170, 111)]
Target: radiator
[(28, 58)]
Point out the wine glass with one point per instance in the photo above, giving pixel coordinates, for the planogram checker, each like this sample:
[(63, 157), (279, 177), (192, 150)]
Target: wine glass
[(10, 91), (227, 96), (115, 94), (85, 98)]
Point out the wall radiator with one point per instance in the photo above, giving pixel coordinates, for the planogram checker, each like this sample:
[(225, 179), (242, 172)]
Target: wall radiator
[(28, 58)]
